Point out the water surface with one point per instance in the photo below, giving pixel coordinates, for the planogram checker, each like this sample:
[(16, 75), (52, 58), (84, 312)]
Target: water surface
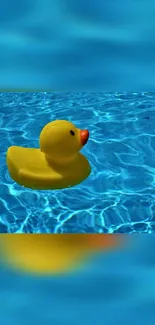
[(114, 288), (76, 45)]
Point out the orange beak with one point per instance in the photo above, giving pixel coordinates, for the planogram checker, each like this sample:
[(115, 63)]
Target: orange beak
[(103, 241), (84, 135)]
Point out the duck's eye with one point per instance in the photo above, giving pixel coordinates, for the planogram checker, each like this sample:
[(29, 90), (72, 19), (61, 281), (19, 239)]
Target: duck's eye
[(72, 132)]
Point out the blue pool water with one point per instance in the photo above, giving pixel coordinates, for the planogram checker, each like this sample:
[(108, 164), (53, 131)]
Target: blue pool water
[(118, 196), (76, 45), (116, 288)]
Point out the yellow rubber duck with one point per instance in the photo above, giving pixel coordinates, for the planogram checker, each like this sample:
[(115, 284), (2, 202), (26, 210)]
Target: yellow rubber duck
[(52, 254), (57, 164)]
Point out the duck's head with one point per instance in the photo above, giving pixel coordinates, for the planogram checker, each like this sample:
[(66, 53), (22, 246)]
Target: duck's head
[(61, 140)]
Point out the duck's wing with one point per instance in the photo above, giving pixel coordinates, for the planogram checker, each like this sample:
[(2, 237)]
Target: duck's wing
[(37, 178)]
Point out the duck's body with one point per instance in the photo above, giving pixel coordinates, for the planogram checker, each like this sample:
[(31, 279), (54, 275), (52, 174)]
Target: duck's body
[(30, 168), (56, 164)]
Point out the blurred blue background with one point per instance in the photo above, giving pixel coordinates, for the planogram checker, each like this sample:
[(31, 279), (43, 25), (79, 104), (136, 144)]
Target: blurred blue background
[(77, 45), (114, 288)]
